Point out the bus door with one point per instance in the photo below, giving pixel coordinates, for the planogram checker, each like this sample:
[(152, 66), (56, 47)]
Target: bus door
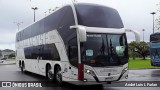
[(73, 58)]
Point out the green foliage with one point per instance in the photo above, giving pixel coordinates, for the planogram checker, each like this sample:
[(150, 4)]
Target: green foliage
[(11, 55), (139, 63), (138, 49)]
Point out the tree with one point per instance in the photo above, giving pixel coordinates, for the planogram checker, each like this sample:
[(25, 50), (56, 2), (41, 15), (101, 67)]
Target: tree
[(0, 53), (11, 55), (141, 48), (132, 52)]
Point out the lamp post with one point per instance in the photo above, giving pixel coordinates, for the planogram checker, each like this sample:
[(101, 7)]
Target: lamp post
[(34, 8), (143, 34), (18, 24), (153, 19)]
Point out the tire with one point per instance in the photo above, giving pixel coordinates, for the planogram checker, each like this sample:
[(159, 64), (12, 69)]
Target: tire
[(49, 74), (58, 76), (22, 68)]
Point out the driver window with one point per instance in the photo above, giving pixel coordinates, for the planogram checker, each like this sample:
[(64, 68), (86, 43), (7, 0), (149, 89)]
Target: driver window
[(122, 40)]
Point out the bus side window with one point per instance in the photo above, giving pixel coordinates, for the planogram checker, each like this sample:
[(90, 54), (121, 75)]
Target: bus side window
[(73, 52)]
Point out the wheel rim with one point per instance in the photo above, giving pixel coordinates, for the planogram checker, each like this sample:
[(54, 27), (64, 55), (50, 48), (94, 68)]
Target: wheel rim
[(22, 68), (59, 77), (50, 75)]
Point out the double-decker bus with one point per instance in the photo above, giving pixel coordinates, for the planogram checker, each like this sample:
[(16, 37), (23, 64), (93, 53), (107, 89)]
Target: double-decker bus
[(85, 43), (155, 49)]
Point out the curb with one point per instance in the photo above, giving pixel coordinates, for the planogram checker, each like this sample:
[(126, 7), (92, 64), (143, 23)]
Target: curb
[(7, 63)]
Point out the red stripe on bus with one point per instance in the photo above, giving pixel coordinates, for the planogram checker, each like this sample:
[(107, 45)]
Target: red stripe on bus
[(80, 72)]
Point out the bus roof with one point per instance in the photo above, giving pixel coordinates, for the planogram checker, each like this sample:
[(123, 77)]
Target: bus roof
[(155, 33), (91, 15), (76, 5)]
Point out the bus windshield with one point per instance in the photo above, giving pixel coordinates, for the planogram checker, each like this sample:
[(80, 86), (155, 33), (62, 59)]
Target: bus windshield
[(93, 15), (154, 49), (104, 50)]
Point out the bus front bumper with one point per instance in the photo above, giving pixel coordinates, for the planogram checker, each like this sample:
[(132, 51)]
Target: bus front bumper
[(102, 80)]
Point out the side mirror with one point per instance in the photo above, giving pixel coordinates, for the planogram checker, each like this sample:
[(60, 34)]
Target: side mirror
[(137, 34), (81, 32)]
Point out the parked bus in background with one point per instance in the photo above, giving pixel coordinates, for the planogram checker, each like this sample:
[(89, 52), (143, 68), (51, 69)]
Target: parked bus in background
[(155, 49), (85, 43)]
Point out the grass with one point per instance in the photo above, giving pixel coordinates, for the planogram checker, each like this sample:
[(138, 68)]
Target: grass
[(139, 63)]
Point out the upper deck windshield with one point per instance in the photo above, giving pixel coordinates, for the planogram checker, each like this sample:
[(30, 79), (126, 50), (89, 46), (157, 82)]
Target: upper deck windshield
[(155, 37), (93, 15), (104, 50)]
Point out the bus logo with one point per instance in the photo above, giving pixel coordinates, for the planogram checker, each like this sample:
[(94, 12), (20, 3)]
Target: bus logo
[(6, 84)]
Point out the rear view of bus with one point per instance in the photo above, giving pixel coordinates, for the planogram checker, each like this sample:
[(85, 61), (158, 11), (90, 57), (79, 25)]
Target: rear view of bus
[(155, 49)]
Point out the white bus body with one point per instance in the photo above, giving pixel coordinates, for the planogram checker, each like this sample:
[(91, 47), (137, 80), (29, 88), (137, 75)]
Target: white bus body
[(64, 47)]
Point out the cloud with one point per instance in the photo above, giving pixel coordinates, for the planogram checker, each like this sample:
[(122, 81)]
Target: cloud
[(134, 13), (7, 46), (7, 37)]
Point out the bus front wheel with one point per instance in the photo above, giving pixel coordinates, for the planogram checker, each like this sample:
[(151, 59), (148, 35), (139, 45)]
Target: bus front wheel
[(50, 74), (22, 67)]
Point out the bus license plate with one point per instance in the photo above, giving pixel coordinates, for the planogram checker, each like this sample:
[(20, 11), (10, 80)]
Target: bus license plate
[(109, 78)]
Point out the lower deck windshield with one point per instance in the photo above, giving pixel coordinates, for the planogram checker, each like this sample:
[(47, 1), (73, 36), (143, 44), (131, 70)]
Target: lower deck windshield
[(102, 50), (154, 51)]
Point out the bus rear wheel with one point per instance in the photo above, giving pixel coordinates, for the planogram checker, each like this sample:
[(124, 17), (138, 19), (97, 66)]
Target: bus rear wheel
[(58, 76), (22, 67), (50, 75)]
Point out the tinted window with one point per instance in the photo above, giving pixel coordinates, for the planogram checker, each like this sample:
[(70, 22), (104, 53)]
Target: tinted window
[(49, 52), (155, 52), (98, 16), (104, 50), (73, 52), (155, 37), (44, 52), (60, 20), (95, 51), (118, 48)]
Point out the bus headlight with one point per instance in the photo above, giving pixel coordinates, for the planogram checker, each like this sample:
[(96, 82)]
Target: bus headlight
[(90, 72), (124, 70)]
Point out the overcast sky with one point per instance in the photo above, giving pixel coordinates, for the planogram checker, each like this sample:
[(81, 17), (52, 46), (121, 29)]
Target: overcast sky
[(135, 15)]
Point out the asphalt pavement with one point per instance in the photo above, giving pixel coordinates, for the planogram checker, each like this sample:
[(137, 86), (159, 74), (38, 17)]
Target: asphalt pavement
[(12, 73)]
